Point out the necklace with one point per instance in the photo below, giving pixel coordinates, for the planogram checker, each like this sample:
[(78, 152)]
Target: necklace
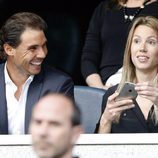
[(129, 18)]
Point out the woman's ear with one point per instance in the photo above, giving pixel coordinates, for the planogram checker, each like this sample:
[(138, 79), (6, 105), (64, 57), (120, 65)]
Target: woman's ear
[(9, 50)]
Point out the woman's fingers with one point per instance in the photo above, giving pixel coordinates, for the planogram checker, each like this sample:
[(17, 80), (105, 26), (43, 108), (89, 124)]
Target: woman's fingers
[(121, 108)]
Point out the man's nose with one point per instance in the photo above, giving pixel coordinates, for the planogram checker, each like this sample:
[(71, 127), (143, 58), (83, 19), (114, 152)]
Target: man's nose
[(43, 129), (42, 53)]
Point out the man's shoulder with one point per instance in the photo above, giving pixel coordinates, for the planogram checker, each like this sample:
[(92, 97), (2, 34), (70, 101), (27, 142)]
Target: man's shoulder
[(54, 80), (1, 66), (1, 69), (53, 72)]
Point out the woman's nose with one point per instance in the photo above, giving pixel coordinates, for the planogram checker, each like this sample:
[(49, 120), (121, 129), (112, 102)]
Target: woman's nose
[(143, 47)]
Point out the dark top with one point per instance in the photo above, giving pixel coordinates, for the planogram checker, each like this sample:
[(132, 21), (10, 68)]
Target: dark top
[(131, 120), (106, 38)]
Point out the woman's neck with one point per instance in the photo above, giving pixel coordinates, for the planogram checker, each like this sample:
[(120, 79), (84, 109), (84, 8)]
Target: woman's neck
[(134, 3), (145, 76)]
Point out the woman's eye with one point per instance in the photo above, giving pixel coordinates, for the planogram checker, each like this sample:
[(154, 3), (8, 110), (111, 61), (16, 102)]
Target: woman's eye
[(152, 42), (136, 41)]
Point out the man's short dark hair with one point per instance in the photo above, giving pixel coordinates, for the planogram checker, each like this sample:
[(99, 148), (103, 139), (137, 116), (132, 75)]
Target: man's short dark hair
[(12, 29), (76, 116)]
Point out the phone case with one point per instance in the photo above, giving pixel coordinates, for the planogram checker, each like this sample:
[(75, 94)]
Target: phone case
[(128, 92)]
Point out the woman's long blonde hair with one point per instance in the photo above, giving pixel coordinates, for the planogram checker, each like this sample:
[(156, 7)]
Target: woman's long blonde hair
[(129, 73)]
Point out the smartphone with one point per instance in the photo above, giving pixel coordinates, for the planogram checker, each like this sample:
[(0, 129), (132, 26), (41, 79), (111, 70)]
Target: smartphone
[(127, 92)]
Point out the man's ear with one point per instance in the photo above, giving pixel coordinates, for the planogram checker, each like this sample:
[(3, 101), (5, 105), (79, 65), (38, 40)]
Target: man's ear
[(9, 50), (30, 128), (77, 130)]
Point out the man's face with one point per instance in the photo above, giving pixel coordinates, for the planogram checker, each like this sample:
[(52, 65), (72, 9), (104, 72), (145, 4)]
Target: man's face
[(51, 128), (27, 58)]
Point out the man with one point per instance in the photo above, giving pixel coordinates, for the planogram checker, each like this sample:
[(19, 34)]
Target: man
[(55, 126), (22, 79)]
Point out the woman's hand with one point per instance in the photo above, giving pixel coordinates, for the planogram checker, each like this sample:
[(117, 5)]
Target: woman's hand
[(112, 112), (148, 90), (114, 108)]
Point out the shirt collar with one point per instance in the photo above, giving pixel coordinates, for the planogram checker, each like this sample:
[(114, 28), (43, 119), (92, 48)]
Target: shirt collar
[(8, 79)]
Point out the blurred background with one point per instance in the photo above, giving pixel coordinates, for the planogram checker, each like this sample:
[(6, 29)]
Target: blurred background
[(67, 25)]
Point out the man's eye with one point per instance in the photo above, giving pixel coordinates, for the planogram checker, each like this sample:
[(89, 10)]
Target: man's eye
[(32, 49), (37, 122), (56, 124)]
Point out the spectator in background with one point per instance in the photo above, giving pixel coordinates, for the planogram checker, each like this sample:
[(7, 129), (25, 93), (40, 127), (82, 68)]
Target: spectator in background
[(140, 66), (55, 126), (23, 80), (106, 38)]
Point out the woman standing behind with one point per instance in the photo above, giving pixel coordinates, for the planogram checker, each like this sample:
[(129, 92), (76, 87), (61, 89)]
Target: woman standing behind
[(140, 67), (106, 37)]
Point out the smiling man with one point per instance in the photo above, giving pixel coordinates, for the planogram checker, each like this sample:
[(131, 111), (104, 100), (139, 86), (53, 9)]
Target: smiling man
[(23, 79)]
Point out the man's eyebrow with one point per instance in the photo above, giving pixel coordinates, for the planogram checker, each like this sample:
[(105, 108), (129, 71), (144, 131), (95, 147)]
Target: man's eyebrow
[(36, 45), (32, 46)]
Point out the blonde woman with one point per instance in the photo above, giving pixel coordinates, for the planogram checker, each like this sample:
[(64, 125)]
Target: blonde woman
[(140, 66)]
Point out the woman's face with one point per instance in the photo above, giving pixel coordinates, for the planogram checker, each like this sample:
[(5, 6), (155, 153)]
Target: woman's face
[(144, 49)]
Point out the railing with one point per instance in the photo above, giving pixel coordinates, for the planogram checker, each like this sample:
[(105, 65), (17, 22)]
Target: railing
[(89, 146)]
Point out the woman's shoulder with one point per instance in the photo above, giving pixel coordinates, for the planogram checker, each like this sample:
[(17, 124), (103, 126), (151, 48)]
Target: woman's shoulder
[(111, 90), (150, 9), (108, 92), (107, 5), (103, 8), (152, 4)]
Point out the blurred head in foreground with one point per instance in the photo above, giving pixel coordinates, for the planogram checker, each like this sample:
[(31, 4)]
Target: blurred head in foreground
[(55, 126)]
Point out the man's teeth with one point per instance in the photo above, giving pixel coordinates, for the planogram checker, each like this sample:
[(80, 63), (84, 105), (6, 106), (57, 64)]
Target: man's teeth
[(36, 63)]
